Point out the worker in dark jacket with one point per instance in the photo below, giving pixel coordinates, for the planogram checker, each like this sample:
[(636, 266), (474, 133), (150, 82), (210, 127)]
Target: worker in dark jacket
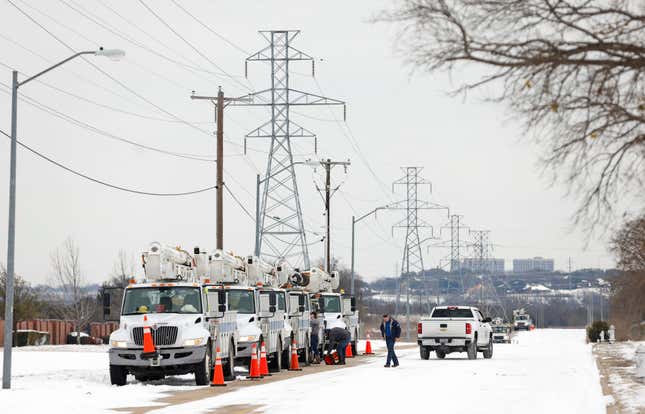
[(339, 337), (391, 331)]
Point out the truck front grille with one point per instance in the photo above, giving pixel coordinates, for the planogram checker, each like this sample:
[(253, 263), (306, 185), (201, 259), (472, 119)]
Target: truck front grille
[(163, 335)]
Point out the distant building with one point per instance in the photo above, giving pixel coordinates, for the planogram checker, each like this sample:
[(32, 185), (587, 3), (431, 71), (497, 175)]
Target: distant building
[(490, 265), (536, 264)]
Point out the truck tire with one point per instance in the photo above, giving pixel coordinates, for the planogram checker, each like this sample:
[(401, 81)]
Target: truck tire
[(472, 349), (276, 361), (440, 354), (424, 351), (305, 353), (203, 369), (488, 352), (118, 375), (355, 344), (229, 365)]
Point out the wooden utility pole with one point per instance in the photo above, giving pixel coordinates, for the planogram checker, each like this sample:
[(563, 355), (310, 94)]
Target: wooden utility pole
[(328, 164), (220, 103)]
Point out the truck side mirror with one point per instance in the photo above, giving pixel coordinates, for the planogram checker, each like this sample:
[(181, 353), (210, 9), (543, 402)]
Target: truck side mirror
[(273, 300), (106, 304), (301, 300), (272, 308), (221, 297), (352, 302)]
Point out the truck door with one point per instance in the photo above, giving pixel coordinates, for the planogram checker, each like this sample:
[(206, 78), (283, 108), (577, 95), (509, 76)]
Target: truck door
[(482, 333)]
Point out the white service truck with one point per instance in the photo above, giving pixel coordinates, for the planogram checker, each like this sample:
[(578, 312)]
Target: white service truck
[(521, 320), (455, 329), (174, 305), (334, 308)]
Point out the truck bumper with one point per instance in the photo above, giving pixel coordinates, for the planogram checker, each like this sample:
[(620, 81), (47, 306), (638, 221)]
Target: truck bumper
[(168, 357), (442, 342)]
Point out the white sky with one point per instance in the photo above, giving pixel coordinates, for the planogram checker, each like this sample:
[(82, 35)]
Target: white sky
[(475, 157)]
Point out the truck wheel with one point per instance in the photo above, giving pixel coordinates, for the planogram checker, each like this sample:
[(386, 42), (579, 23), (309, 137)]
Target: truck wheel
[(305, 353), (118, 375), (440, 354), (424, 352), (472, 349), (276, 361), (203, 369), (488, 352), (355, 344), (229, 366)]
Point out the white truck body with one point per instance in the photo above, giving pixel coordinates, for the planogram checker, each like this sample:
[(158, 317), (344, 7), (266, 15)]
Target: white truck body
[(455, 329), (521, 320), (501, 333)]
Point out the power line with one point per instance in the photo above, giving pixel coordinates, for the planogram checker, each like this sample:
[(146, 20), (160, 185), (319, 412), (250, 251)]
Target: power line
[(105, 183), (102, 132), (239, 203)]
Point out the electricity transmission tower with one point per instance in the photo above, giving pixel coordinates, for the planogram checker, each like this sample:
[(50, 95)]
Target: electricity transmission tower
[(488, 297), (412, 252), (456, 244), (281, 229)]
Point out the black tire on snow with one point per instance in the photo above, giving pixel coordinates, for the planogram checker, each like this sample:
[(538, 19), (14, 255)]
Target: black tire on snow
[(488, 352), (229, 365), (472, 349), (118, 375), (276, 360), (440, 354), (424, 352), (204, 368)]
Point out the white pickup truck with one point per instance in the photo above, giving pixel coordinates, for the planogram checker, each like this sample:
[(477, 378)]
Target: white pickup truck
[(455, 329)]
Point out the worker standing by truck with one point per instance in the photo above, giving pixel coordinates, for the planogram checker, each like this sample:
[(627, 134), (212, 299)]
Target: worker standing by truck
[(314, 323), (391, 331), (339, 337)]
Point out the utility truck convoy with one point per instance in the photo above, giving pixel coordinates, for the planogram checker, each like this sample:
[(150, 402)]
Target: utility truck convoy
[(455, 329), (173, 309)]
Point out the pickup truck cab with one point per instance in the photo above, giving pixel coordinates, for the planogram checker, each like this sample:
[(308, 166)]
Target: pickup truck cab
[(455, 329)]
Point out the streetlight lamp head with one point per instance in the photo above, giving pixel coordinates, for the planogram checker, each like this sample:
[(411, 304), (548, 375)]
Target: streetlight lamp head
[(113, 54)]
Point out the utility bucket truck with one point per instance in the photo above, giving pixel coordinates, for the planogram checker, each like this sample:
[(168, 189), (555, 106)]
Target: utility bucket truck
[(258, 317), (334, 309), (298, 310), (173, 307)]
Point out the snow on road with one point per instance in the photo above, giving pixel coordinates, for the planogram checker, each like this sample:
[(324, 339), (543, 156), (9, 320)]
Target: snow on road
[(73, 379), (546, 371)]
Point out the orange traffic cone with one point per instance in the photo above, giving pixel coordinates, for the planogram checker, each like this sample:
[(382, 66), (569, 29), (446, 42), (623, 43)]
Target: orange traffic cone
[(218, 372), (264, 366), (148, 342), (348, 351), (254, 368), (294, 357), (368, 346)]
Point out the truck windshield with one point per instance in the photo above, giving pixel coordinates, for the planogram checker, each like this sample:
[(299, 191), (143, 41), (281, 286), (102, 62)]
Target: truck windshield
[(282, 302), (242, 301), (331, 303), (499, 329), (172, 299), (521, 317), (452, 313)]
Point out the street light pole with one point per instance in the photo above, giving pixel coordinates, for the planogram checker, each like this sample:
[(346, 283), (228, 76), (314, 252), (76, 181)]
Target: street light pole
[(114, 54), (354, 221)]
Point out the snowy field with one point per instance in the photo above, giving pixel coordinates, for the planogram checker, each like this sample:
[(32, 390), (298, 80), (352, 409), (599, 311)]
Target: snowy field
[(545, 371)]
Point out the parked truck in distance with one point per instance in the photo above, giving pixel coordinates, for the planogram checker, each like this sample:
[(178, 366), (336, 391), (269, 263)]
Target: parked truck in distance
[(521, 320), (451, 329)]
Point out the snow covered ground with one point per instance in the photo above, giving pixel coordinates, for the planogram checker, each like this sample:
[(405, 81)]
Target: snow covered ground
[(545, 371), (618, 364)]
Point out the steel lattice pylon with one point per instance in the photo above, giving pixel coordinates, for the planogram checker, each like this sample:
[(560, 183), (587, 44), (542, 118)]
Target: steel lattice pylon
[(280, 225), (412, 252)]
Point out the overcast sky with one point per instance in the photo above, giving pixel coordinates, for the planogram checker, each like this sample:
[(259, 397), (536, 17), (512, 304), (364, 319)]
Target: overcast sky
[(477, 159)]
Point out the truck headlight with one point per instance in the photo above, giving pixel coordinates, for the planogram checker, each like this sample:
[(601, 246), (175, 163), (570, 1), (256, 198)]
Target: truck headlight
[(250, 338), (119, 344), (193, 342)]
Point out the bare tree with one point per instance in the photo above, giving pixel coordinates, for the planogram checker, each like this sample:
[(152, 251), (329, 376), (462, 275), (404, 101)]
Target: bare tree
[(629, 245), (571, 69), (74, 301), (26, 301), (122, 270)]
